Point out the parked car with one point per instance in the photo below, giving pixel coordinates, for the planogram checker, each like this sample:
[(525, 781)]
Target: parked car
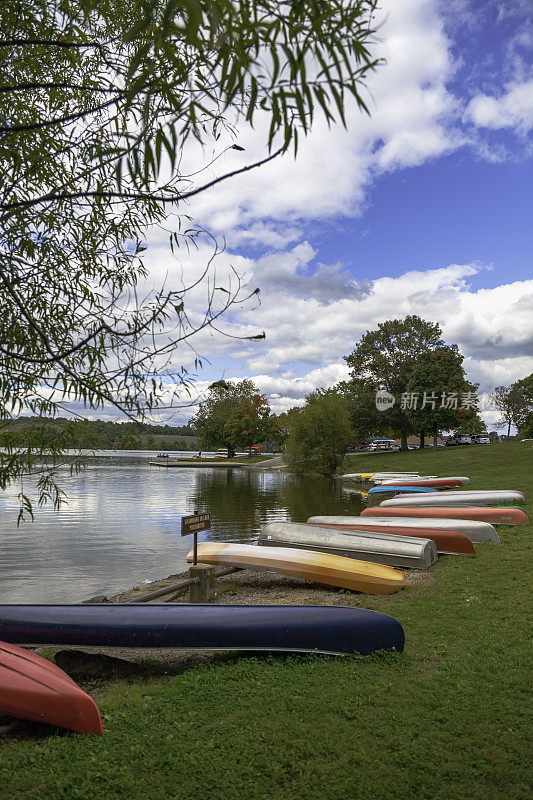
[(384, 444), (480, 438), (460, 438)]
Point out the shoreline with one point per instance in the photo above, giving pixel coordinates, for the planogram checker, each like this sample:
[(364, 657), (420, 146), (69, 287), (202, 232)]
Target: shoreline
[(269, 587), (171, 463)]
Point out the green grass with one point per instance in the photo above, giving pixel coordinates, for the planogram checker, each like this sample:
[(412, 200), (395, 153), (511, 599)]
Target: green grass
[(446, 719)]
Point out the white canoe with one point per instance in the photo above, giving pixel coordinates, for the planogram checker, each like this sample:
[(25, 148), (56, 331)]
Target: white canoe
[(398, 478), (476, 531), (348, 573), (421, 481), (361, 476), (396, 551), (455, 499)]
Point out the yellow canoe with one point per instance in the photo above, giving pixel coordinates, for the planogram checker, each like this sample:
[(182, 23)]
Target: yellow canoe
[(348, 573)]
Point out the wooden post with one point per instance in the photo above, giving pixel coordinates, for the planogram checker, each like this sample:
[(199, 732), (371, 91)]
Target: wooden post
[(203, 589)]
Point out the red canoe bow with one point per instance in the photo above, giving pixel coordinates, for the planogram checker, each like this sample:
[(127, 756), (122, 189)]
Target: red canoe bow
[(33, 688)]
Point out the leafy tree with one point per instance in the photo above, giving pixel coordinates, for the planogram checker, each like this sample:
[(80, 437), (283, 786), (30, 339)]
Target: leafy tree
[(433, 396), (515, 404), (99, 99), (366, 420), (470, 422), (385, 359), (525, 386), (235, 415), (320, 433)]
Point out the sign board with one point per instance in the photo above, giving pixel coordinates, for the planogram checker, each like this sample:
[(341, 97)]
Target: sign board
[(195, 523)]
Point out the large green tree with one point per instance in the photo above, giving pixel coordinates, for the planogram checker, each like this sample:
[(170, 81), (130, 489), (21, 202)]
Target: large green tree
[(436, 390), (385, 359), (320, 433), (98, 99), (234, 415)]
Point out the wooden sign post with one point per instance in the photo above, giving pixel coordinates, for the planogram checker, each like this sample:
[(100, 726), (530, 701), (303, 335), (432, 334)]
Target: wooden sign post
[(195, 524)]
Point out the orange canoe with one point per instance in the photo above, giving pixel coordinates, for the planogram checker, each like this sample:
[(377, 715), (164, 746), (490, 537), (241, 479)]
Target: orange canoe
[(33, 688), (445, 541), (496, 516)]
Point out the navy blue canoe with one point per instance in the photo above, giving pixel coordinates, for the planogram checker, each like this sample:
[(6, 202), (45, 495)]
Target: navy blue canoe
[(317, 629)]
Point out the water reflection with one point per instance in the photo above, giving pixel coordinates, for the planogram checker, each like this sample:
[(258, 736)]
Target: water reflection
[(122, 524)]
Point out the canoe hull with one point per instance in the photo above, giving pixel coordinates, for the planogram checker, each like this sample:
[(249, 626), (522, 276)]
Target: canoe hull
[(387, 488), (451, 542), (332, 570), (437, 483), (384, 548), (34, 688), (475, 530), (494, 516), (315, 629), (365, 476), (456, 499)]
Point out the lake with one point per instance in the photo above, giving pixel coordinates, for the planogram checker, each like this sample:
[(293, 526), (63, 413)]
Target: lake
[(121, 523)]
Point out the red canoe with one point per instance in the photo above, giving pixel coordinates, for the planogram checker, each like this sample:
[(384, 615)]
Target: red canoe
[(445, 541), (33, 688), (496, 516), (436, 483)]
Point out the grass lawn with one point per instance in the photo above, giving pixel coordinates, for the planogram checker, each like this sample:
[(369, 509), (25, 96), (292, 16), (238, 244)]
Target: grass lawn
[(446, 719)]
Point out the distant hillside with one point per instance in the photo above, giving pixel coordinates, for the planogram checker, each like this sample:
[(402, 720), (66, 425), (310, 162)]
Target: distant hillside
[(96, 434)]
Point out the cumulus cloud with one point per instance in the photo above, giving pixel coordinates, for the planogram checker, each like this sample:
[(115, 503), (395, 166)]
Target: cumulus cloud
[(512, 109), (411, 120), (307, 336), (292, 272)]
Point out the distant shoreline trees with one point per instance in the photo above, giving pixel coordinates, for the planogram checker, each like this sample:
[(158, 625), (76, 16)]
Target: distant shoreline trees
[(95, 434), (234, 415)]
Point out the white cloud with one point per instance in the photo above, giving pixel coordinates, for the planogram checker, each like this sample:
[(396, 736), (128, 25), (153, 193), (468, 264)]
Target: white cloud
[(307, 335), (411, 121), (512, 109)]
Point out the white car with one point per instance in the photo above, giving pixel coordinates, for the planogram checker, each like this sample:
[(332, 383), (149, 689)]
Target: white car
[(383, 444), (480, 438), (460, 438)]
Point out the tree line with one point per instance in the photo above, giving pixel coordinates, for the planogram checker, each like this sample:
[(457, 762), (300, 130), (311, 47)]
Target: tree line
[(404, 379), (38, 433)]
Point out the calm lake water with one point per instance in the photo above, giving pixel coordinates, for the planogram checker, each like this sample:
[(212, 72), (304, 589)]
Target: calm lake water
[(122, 523)]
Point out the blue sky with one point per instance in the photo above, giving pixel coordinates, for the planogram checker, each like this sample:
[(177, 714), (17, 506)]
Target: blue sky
[(424, 207)]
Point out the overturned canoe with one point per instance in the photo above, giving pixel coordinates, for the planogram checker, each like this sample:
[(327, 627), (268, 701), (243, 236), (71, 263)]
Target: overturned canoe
[(368, 475), (446, 541), (396, 551), (437, 483), (495, 516), (364, 476), (348, 573), (398, 479), (316, 629), (33, 688), (387, 488), (464, 498), (475, 530)]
